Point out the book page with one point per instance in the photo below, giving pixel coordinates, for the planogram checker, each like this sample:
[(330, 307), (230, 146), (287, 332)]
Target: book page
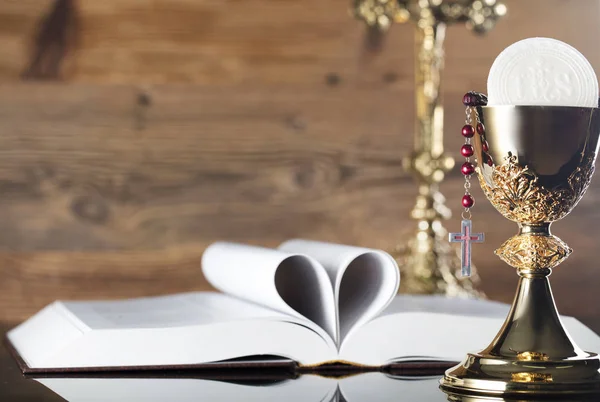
[(180, 310), (420, 328), (187, 329), (446, 305), (364, 280), (293, 284)]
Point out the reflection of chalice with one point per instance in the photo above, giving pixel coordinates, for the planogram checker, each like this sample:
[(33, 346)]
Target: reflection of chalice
[(471, 398), (543, 162)]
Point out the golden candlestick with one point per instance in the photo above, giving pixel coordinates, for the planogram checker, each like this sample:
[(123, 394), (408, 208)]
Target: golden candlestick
[(429, 264)]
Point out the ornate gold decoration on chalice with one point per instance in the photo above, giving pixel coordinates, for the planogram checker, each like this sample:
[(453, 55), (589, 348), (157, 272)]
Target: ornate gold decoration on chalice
[(545, 159), (429, 264)]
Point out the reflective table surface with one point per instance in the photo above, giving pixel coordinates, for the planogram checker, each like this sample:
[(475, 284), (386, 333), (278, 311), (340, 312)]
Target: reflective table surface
[(189, 386)]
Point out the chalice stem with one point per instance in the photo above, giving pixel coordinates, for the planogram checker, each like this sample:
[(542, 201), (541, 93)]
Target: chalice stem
[(533, 329)]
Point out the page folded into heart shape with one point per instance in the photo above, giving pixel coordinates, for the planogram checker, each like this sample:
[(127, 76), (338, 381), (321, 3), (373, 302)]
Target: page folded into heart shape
[(364, 281), (336, 287)]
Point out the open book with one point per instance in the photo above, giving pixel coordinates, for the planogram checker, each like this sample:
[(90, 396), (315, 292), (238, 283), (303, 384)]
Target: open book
[(309, 303)]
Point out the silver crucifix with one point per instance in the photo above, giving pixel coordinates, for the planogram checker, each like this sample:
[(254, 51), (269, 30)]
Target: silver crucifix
[(466, 237)]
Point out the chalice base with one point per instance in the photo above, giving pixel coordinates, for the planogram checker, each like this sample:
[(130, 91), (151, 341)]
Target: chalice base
[(488, 375), (532, 355)]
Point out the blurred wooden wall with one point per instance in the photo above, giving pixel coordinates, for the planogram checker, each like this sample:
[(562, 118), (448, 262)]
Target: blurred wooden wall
[(135, 132)]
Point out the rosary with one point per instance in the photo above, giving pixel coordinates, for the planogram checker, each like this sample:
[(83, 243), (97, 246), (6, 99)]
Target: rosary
[(472, 101)]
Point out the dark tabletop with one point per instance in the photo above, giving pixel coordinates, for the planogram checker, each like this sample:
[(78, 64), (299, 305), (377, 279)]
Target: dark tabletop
[(188, 386), (15, 387)]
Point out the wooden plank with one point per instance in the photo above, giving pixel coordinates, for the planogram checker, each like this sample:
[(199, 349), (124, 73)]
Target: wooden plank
[(86, 167), (272, 42)]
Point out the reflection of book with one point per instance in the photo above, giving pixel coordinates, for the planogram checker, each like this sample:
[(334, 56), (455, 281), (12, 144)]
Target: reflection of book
[(374, 387), (308, 302)]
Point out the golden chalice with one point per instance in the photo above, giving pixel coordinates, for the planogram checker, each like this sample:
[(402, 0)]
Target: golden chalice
[(542, 160)]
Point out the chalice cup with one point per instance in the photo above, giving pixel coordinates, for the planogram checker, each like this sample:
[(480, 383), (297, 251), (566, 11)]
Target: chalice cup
[(542, 160)]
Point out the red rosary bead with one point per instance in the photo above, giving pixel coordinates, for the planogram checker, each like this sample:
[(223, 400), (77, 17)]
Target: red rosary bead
[(467, 168), (485, 146), (468, 201), (480, 129), (488, 159), (474, 99), (468, 131), (469, 99), (467, 150)]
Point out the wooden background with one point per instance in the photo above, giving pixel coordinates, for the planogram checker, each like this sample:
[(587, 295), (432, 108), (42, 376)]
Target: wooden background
[(135, 132)]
